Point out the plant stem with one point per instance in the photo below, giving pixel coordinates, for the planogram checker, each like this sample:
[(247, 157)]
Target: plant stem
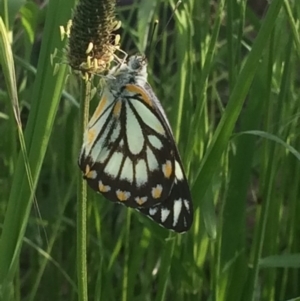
[(81, 202)]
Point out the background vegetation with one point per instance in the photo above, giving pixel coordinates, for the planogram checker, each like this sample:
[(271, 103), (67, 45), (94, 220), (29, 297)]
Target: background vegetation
[(228, 77)]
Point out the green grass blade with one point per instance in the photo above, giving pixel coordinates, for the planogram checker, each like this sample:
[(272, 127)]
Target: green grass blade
[(213, 155), (45, 99)]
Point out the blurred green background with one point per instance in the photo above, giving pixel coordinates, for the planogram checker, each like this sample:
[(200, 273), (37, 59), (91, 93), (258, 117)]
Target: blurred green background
[(227, 74)]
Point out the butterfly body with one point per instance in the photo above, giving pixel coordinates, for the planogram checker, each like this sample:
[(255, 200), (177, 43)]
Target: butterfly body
[(129, 153)]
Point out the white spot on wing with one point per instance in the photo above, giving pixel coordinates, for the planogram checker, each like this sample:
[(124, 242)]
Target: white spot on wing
[(134, 134), (127, 171), (148, 117), (103, 155), (95, 128), (98, 147), (178, 171), (151, 159), (123, 195), (141, 175), (187, 205), (167, 169), (115, 134), (141, 201), (155, 142), (91, 174), (113, 165), (153, 210), (164, 214), (156, 191), (176, 211), (103, 188)]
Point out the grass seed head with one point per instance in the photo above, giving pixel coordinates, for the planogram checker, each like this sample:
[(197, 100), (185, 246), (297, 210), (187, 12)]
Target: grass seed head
[(92, 41)]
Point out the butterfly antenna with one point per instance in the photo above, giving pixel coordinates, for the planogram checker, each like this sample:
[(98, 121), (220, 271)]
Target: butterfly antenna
[(168, 22), (173, 12), (151, 38)]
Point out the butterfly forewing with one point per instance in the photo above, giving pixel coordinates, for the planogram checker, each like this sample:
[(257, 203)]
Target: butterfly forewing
[(129, 154), (131, 159)]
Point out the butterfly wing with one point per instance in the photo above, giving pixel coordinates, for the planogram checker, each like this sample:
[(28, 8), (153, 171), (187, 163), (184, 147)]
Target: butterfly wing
[(128, 152), (176, 212)]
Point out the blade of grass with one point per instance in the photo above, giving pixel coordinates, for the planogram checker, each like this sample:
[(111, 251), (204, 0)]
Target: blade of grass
[(7, 63), (82, 200), (126, 257), (222, 134), (45, 99), (165, 268), (46, 258), (233, 232)]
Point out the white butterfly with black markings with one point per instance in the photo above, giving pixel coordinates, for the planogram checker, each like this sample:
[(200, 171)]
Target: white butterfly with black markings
[(129, 153)]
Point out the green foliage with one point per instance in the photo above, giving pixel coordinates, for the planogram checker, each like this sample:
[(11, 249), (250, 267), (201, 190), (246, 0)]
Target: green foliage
[(228, 78)]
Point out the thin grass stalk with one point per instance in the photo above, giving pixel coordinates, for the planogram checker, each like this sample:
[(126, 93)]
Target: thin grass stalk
[(293, 25), (52, 240), (234, 106), (5, 12), (270, 176), (140, 251), (232, 223), (293, 241), (126, 257), (184, 43), (82, 200), (36, 135), (263, 224), (199, 118), (200, 103), (266, 153), (274, 220), (231, 4), (8, 67), (164, 271)]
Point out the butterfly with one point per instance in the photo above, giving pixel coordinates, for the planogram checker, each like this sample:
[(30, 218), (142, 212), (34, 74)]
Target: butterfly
[(129, 153)]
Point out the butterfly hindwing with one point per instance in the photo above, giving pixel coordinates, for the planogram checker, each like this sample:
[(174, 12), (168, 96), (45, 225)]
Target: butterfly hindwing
[(176, 212)]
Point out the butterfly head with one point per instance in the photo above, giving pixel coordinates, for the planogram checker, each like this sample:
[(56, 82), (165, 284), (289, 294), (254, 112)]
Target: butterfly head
[(137, 66), (133, 71), (137, 63)]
